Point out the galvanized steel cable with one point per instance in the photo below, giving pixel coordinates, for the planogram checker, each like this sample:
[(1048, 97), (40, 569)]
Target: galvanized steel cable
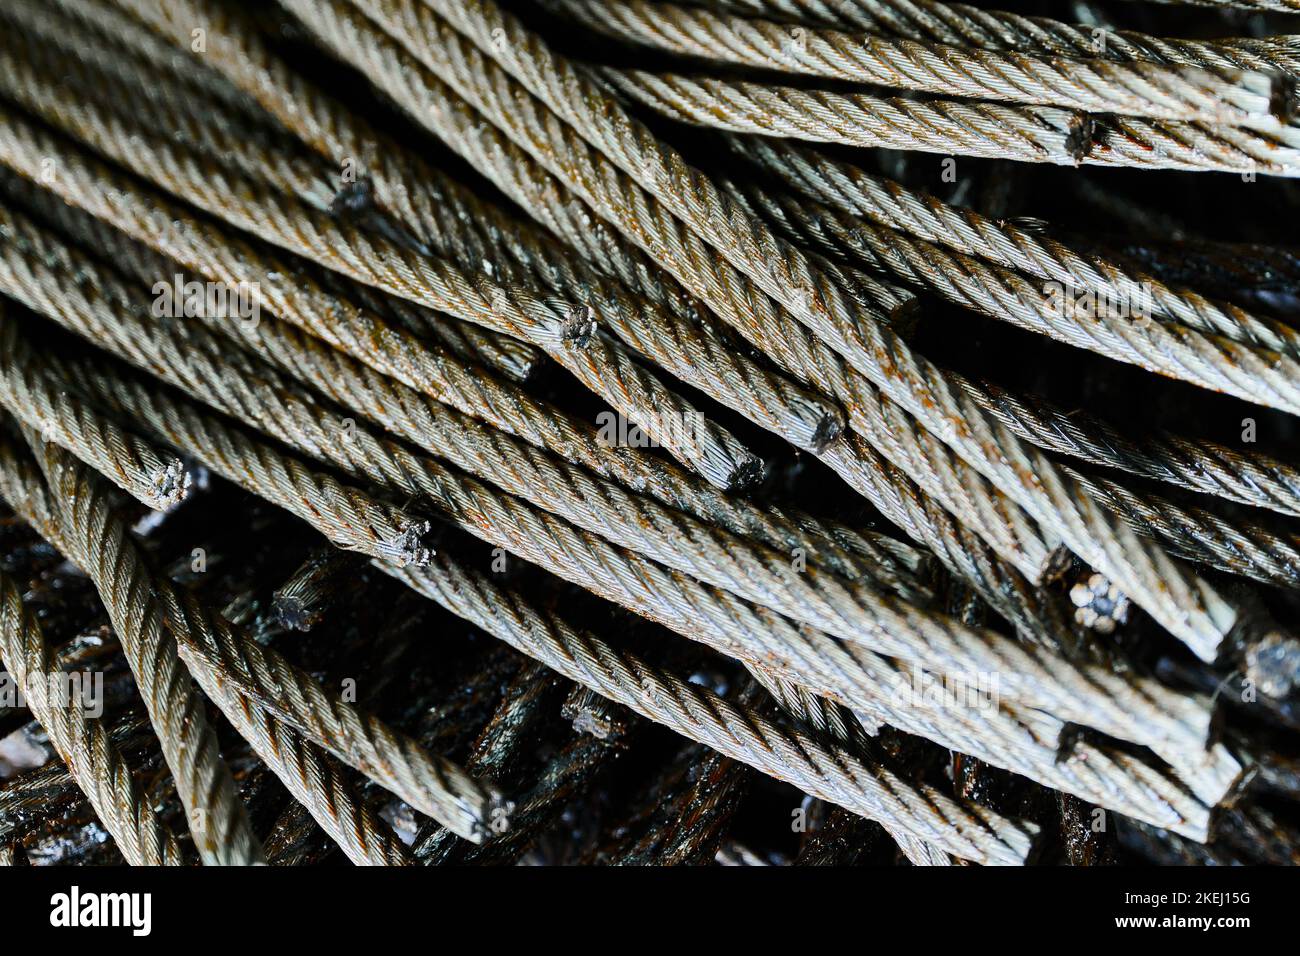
[(95, 762), (215, 814), (1200, 618), (1213, 95), (843, 551), (1026, 133), (310, 775), (960, 24), (657, 228), (565, 330)]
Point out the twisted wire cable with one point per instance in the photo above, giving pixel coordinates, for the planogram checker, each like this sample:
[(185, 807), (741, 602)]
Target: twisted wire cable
[(1211, 362), (850, 190), (1265, 551), (1031, 554), (708, 612), (130, 735), (96, 64), (312, 115), (96, 764), (1189, 608), (824, 717), (455, 223), (1213, 95), (960, 24), (196, 123), (131, 464), (828, 772), (311, 776), (1033, 134), (587, 660), (965, 493), (480, 510), (566, 331), (513, 360), (324, 580), (433, 785), (308, 774), (836, 722), (965, 554), (603, 509), (109, 36), (286, 396), (1005, 590), (1194, 464), (213, 441), (730, 626), (1210, 468), (962, 491), (216, 815), (843, 550)]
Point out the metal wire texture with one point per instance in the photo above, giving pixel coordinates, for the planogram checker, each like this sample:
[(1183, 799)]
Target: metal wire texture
[(407, 406)]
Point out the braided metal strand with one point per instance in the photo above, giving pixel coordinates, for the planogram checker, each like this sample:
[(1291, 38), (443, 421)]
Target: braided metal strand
[(562, 648), (962, 552), (568, 332), (309, 774), (120, 89), (433, 785), (462, 227), (104, 28), (510, 358), (1190, 609), (1033, 134), (1263, 550), (305, 110), (601, 508), (698, 612), (481, 512), (732, 627), (217, 819), (696, 712), (229, 139), (848, 189), (960, 24), (1222, 97), (132, 464), (95, 762), (1194, 464), (963, 491), (1209, 361), (459, 224), (38, 261)]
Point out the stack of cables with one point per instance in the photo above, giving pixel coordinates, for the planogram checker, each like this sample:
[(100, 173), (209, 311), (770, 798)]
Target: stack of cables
[(628, 431)]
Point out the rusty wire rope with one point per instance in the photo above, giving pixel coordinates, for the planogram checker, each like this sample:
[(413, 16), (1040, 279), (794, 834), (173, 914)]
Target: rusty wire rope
[(1102, 780), (682, 323)]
